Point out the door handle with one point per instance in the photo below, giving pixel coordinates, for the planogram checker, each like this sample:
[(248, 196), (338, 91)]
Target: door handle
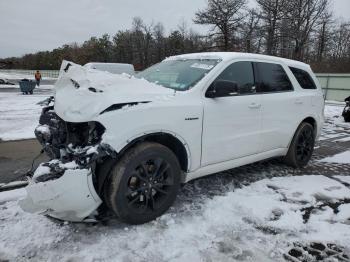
[(254, 106), (298, 102)]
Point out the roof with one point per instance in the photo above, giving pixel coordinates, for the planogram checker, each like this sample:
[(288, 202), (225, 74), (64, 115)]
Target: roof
[(226, 56)]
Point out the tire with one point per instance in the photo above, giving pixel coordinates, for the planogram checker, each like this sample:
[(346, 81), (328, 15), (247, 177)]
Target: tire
[(302, 146), (144, 183)]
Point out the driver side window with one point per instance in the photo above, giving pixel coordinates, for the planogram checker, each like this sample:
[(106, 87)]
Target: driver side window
[(241, 73)]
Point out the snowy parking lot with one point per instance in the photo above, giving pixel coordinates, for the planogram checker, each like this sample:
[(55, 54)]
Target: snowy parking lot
[(261, 212), (19, 114)]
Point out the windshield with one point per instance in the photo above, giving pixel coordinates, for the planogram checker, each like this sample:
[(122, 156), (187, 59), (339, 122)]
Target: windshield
[(178, 74)]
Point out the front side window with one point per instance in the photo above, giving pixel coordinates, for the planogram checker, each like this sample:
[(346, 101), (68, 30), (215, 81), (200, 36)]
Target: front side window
[(272, 78), (303, 77), (242, 74), (178, 74)]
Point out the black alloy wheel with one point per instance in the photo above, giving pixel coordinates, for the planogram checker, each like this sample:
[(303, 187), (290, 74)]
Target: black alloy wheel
[(149, 184), (144, 183), (305, 145), (302, 146)]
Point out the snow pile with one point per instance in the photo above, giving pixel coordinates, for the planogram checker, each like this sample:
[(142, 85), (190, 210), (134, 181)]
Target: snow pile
[(259, 222), (333, 113)]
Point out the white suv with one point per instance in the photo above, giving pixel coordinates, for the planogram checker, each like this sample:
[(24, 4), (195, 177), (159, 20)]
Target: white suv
[(124, 144)]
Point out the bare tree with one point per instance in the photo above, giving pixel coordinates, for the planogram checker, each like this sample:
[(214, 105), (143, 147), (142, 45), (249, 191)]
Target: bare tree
[(272, 13), (304, 16), (159, 39), (251, 32), (224, 16), (323, 35), (341, 41)]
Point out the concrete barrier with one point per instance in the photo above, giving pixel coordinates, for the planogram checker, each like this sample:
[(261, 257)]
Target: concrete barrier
[(335, 87)]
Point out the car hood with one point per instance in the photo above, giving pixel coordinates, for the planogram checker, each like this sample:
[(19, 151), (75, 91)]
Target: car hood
[(81, 94)]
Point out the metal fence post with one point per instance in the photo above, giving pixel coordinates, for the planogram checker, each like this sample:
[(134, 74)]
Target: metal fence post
[(327, 86)]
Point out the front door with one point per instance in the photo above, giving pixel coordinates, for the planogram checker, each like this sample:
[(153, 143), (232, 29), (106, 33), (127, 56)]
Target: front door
[(232, 124)]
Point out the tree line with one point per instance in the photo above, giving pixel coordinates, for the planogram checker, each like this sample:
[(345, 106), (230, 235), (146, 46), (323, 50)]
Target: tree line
[(304, 30)]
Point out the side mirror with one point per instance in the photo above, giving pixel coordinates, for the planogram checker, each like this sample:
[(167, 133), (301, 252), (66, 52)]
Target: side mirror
[(222, 88)]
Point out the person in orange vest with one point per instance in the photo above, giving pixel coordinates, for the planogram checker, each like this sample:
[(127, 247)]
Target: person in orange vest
[(37, 76)]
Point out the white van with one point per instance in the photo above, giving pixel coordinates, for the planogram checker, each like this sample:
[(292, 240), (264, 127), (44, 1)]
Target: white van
[(114, 68)]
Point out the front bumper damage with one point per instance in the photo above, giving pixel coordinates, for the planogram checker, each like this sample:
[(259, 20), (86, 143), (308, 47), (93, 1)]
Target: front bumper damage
[(64, 188), (70, 197)]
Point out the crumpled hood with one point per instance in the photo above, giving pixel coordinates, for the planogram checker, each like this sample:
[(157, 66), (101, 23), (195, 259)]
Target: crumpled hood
[(81, 94)]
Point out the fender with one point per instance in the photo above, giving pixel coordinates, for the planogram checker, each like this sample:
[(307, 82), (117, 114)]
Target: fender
[(132, 139), (103, 169), (316, 128)]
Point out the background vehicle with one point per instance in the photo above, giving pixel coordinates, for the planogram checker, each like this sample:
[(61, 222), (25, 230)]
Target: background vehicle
[(114, 68), (130, 142), (4, 81)]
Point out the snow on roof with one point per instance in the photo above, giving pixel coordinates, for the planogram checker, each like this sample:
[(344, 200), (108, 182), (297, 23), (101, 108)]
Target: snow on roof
[(226, 56)]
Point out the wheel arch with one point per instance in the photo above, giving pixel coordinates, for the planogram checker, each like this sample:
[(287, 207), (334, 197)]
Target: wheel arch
[(311, 120), (169, 139), (166, 138)]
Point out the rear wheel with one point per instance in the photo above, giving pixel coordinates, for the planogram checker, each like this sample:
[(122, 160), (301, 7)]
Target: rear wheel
[(144, 183), (302, 146)]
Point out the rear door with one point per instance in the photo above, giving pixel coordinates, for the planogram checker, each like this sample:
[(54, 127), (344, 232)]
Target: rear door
[(232, 124), (282, 106)]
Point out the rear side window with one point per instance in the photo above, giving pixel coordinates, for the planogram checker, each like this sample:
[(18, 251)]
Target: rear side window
[(241, 73), (303, 77), (272, 78)]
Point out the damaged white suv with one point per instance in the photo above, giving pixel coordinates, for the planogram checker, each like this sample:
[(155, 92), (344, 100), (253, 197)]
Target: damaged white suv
[(123, 145)]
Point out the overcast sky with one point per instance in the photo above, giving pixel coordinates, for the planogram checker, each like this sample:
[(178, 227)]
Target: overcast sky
[(33, 25)]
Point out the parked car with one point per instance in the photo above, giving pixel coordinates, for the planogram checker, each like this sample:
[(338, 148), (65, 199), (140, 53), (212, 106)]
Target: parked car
[(127, 150), (114, 68), (4, 81)]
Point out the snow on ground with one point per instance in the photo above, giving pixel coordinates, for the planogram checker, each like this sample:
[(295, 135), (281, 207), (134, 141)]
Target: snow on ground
[(333, 112), (14, 75), (341, 158), (19, 115), (344, 179), (259, 222)]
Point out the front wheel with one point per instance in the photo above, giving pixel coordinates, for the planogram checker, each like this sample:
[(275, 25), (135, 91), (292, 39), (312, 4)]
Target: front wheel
[(302, 146), (144, 183)]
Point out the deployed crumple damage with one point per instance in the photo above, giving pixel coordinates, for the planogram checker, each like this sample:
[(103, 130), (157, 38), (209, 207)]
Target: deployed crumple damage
[(82, 93), (70, 197), (63, 187), (93, 116)]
